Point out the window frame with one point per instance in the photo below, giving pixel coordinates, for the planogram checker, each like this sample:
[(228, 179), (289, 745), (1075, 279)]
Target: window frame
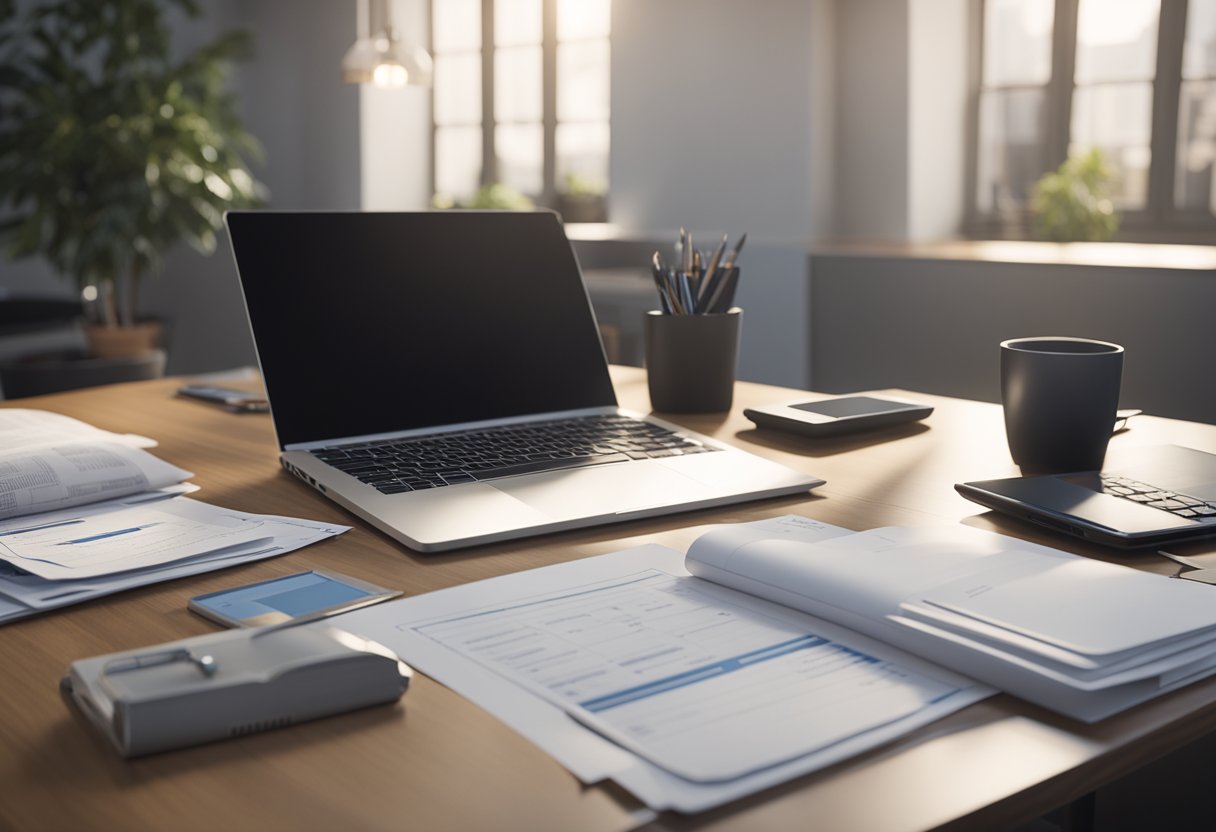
[(550, 192), (1160, 220)]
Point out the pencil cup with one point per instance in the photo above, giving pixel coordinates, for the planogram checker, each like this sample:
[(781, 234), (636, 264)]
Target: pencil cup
[(690, 360)]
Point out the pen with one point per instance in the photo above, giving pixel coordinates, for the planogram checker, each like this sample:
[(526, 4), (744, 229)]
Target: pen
[(711, 272), (704, 282), (658, 272), (686, 293), (724, 298), (730, 258)]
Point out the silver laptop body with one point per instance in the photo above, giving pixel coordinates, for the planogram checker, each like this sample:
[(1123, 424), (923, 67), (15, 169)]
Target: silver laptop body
[(376, 329)]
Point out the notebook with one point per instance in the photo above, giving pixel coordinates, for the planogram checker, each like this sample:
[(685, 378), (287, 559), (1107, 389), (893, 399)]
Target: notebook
[(1157, 495), (416, 362)]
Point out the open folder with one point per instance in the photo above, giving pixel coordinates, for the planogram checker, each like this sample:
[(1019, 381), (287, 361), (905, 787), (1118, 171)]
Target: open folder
[(775, 648)]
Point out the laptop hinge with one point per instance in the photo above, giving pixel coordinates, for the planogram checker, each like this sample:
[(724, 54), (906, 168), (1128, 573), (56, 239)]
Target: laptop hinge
[(456, 428)]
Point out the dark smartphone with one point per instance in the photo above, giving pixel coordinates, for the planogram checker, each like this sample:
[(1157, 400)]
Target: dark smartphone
[(830, 417), (237, 401)]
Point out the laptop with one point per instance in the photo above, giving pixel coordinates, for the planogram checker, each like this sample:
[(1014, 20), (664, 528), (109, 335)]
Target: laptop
[(1158, 495), (441, 375)]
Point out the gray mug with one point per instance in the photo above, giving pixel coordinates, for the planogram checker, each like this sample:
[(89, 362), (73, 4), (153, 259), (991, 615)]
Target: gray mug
[(690, 360), (1060, 397)]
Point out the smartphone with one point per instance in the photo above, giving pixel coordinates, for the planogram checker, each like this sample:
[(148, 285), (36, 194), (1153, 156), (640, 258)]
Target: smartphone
[(312, 594), (238, 401), (831, 417)]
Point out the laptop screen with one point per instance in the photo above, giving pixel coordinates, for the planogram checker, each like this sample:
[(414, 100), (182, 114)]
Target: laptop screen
[(370, 323)]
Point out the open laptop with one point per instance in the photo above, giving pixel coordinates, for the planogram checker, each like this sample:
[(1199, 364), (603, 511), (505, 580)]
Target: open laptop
[(441, 375), (1157, 496)]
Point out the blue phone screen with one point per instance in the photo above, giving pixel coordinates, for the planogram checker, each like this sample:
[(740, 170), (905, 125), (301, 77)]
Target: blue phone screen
[(295, 595)]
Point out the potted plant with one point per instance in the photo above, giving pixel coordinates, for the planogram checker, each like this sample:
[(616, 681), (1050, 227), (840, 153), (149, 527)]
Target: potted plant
[(496, 196), (112, 150), (1073, 204), (582, 199)]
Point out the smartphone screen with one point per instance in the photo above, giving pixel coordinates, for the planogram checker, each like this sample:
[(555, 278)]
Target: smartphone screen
[(852, 406), (282, 599)]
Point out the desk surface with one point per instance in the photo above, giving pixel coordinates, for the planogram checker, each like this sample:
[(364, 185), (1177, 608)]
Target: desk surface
[(435, 761)]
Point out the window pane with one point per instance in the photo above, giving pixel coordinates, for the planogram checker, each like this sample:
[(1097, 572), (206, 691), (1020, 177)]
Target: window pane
[(457, 25), (1011, 156), (582, 154), (1117, 119), (517, 85), (457, 161), (583, 19), (582, 81), (1196, 146), (520, 149), (1017, 42), (457, 89), (1199, 53), (1116, 40), (517, 22)]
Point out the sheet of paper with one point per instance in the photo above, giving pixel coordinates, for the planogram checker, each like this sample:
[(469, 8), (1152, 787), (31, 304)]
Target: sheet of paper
[(542, 711), (1080, 604), (25, 428), (136, 537), (23, 594), (50, 477), (695, 679), (868, 573)]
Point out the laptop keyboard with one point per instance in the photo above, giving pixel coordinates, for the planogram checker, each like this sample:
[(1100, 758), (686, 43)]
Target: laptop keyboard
[(395, 466), (1170, 501)]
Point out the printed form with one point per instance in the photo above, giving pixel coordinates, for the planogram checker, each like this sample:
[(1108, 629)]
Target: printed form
[(708, 684)]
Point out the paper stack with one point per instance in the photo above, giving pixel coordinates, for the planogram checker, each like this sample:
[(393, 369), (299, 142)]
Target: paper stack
[(85, 512)]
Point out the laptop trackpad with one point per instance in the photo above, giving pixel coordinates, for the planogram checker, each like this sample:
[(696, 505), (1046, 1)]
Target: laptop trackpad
[(604, 489)]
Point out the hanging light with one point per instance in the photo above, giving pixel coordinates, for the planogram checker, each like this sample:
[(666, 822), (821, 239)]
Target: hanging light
[(381, 59)]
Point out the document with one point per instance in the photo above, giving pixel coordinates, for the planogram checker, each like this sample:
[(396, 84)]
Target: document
[(85, 512), (48, 475), (131, 538), (778, 647), (698, 680), (23, 593), (687, 694), (25, 428), (1082, 637)]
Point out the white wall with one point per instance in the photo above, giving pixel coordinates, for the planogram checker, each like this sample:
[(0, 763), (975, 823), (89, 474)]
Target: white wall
[(901, 95), (395, 131), (937, 114)]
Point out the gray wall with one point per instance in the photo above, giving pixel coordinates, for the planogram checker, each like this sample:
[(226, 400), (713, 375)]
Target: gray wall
[(935, 325), (294, 101), (711, 125), (872, 119)]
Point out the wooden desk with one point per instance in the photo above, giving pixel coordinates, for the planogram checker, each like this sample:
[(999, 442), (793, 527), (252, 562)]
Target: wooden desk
[(437, 762)]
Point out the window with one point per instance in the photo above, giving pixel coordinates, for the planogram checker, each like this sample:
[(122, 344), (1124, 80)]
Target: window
[(1133, 78), (521, 98)]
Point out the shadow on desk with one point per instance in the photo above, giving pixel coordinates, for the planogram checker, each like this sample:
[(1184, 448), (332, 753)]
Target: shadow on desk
[(792, 443)]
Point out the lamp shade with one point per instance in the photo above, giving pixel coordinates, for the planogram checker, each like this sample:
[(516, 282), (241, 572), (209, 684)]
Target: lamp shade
[(382, 59)]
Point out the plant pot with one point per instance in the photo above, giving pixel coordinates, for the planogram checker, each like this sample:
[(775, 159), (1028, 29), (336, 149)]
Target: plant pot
[(55, 373), (582, 207), (143, 338)]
